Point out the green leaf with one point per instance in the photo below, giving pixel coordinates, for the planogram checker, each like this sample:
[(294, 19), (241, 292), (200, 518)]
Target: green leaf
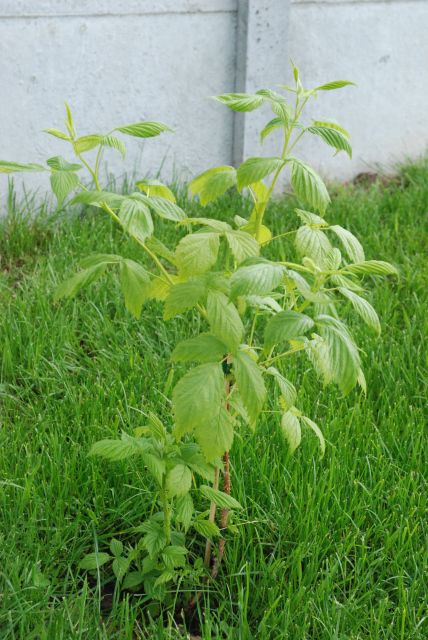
[(72, 286), (291, 430), (155, 188), (308, 186), (224, 320), (213, 183), (202, 348), (257, 277), (278, 104), (197, 396), (156, 426), (206, 528), (336, 84), (154, 540), (174, 556), (114, 143), (133, 281), (164, 208), (57, 134), (242, 245), (114, 449), (263, 303), (344, 359), (212, 223), (116, 547), (96, 259), (191, 454), (58, 163), (215, 435), (314, 244), (155, 466), (250, 384), (371, 267), (332, 125), (94, 560), (318, 352), (15, 167), (221, 499), (286, 325), (363, 308), (135, 218), (287, 389), (332, 137), (305, 290), (96, 198), (315, 428), (350, 243), (164, 577), (241, 101), (69, 121), (86, 143), (184, 510), (311, 219), (183, 296), (197, 252), (179, 480), (62, 183), (144, 129), (133, 580), (255, 169), (272, 125)]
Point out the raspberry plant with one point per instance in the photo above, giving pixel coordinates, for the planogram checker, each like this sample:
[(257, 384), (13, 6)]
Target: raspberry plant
[(257, 314)]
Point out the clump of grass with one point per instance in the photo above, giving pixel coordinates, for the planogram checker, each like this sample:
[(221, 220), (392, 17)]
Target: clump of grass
[(332, 548)]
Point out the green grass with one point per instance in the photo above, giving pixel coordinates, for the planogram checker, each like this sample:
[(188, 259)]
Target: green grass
[(330, 549)]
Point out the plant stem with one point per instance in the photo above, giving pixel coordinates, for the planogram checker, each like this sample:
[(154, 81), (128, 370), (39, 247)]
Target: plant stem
[(166, 513), (156, 261), (91, 171), (224, 517), (211, 518), (281, 355)]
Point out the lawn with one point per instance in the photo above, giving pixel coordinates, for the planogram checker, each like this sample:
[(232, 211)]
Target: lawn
[(331, 548)]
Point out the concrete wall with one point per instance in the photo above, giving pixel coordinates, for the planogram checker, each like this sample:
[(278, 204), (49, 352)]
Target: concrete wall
[(117, 61), (382, 45)]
